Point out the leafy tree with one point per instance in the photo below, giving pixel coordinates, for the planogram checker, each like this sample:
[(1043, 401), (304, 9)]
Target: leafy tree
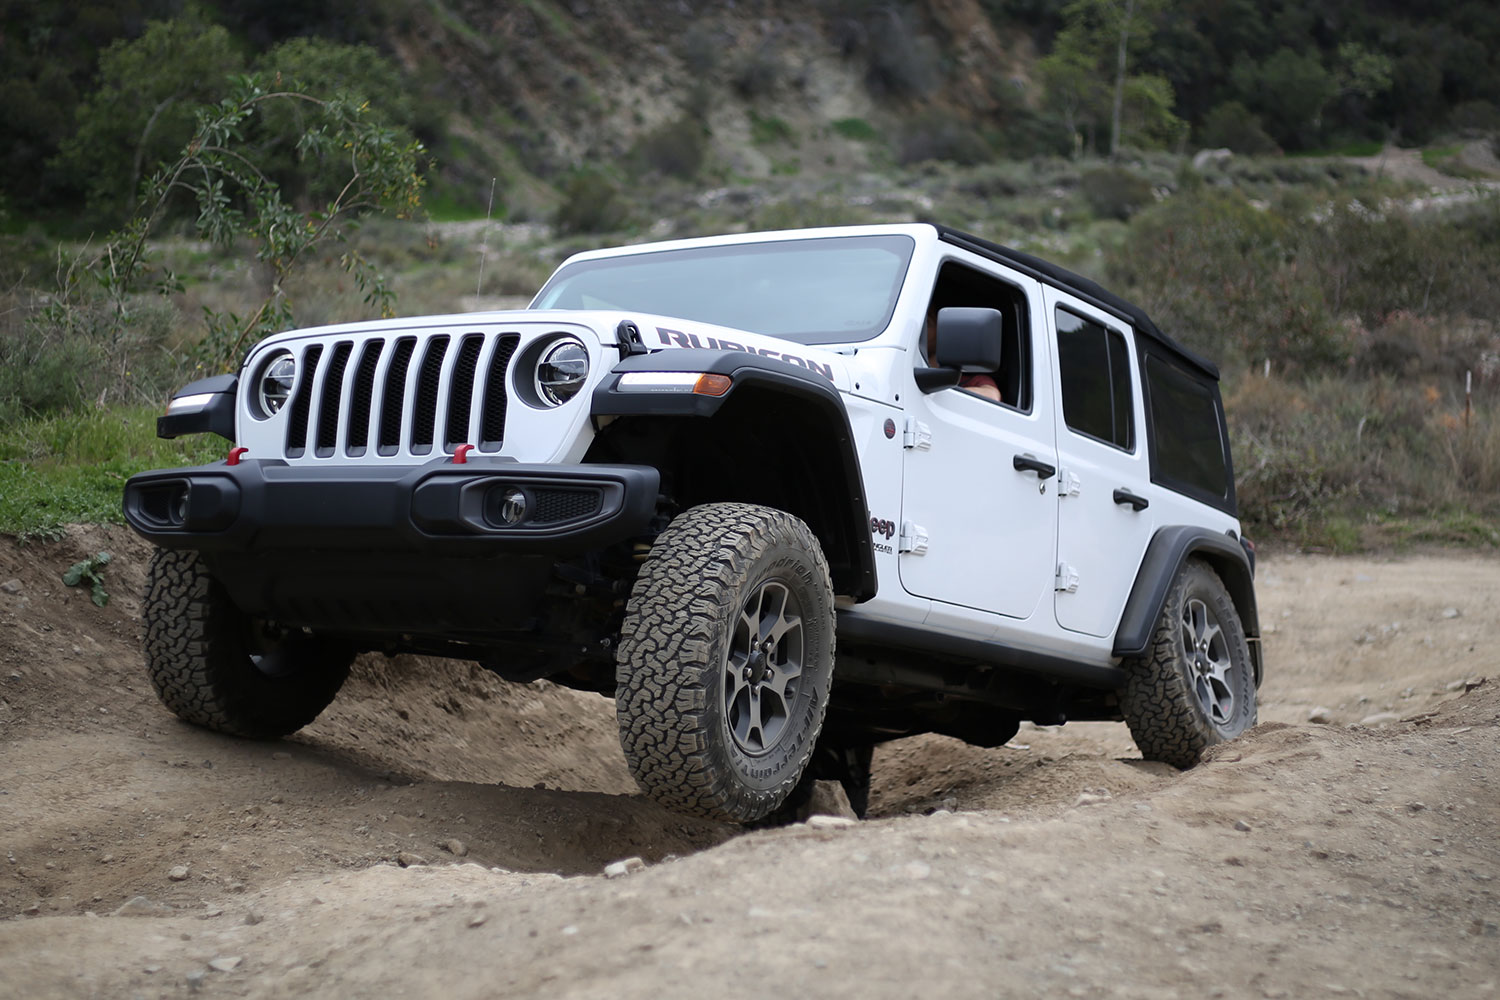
[(1290, 89), (143, 108), (1091, 58), (372, 168)]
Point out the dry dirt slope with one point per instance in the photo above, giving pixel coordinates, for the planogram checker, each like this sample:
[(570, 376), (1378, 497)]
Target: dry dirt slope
[(1304, 860)]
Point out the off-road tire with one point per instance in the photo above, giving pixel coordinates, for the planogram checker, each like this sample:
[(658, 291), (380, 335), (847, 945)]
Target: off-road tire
[(1171, 696), (679, 712), (199, 657)]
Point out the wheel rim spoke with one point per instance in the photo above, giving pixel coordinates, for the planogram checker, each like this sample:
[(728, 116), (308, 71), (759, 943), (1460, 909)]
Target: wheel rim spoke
[(763, 667), (1209, 663)]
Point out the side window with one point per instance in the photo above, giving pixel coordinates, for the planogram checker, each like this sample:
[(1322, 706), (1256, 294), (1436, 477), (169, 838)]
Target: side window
[(1094, 365), (1187, 447), (958, 285)]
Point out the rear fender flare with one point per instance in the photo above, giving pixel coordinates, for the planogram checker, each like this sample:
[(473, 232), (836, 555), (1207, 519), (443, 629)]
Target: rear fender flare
[(1171, 547)]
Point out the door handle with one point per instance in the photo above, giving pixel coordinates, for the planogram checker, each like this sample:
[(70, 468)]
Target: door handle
[(1027, 463), (1137, 503)]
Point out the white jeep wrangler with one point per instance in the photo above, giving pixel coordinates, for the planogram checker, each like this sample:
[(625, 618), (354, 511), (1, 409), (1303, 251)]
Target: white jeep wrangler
[(686, 469)]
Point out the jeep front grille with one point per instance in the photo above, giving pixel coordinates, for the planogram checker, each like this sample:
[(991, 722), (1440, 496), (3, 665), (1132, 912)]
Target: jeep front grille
[(405, 393)]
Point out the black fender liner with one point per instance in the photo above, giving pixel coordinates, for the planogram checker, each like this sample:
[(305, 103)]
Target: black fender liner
[(747, 370), (1170, 547)]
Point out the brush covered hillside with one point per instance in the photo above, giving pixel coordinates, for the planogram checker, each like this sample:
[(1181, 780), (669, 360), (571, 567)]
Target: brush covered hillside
[(1305, 192)]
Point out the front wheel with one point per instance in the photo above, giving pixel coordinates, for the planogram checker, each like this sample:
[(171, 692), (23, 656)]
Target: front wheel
[(725, 661), (1195, 685), (214, 666)]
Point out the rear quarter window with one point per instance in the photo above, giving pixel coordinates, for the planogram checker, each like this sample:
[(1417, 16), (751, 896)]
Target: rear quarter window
[(1189, 449)]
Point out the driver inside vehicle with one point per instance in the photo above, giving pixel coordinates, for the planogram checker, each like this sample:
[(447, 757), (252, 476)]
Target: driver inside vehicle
[(979, 383)]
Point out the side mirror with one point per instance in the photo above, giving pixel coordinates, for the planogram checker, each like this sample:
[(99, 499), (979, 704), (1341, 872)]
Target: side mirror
[(969, 339)]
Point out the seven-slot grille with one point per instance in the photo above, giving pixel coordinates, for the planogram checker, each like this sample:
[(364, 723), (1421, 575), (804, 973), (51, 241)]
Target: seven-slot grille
[(404, 395)]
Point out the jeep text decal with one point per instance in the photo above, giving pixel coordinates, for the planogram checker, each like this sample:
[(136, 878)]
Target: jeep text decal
[(676, 338), (886, 529)]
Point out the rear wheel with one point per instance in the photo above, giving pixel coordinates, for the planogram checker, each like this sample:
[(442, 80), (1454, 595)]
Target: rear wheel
[(725, 661), (214, 666), (1195, 685)]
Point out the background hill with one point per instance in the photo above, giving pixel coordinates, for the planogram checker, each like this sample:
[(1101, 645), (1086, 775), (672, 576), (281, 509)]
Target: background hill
[(1303, 191), (529, 92)]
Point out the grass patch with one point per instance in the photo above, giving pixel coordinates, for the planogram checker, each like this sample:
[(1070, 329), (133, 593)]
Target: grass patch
[(1364, 147), (857, 129), (767, 130), (72, 467), (1436, 156)]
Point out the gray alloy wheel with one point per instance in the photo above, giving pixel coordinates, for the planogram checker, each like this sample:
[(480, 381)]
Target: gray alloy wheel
[(763, 668)]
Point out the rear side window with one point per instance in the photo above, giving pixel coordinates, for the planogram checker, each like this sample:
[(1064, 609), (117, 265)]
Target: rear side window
[(1188, 450), (1094, 366)]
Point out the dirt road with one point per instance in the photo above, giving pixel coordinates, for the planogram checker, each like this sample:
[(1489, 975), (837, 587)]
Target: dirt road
[(441, 833)]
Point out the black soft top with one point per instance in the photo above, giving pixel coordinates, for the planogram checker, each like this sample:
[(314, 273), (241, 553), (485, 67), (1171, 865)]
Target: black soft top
[(1090, 291)]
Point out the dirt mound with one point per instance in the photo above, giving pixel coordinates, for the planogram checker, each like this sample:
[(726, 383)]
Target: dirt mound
[(441, 832)]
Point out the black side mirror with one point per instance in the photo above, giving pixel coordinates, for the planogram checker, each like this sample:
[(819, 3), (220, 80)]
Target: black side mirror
[(969, 339)]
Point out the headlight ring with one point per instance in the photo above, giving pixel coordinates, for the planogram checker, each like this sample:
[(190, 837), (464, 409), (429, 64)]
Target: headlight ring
[(562, 371), (273, 386)]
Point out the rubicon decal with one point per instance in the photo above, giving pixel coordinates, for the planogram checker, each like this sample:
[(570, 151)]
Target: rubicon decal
[(676, 338)]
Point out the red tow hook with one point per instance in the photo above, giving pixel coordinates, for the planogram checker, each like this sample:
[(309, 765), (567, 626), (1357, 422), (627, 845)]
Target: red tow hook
[(461, 454), (234, 456)]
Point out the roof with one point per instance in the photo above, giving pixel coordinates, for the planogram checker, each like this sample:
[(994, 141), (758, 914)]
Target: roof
[(1090, 291)]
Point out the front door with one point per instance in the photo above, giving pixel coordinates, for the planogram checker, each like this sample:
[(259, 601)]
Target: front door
[(976, 531)]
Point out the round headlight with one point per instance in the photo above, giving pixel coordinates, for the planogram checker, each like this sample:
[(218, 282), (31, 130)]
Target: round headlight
[(561, 373), (276, 378)]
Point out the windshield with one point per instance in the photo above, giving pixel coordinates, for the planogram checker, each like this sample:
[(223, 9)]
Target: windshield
[(828, 290)]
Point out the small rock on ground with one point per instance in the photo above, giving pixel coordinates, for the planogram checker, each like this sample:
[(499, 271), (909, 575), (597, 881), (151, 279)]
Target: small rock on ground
[(178, 873), (455, 847), (1380, 719), (616, 869), (140, 906), (406, 859), (1321, 716), (820, 821), (226, 963), (11, 586)]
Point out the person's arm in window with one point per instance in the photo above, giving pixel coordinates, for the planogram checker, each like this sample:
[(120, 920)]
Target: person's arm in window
[(981, 385)]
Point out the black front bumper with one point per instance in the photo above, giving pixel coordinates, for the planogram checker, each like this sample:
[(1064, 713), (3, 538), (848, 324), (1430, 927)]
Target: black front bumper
[(438, 508), (377, 550)]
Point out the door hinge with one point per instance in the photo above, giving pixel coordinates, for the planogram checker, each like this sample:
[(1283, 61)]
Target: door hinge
[(1067, 579), (916, 435), (913, 538), (1068, 483)]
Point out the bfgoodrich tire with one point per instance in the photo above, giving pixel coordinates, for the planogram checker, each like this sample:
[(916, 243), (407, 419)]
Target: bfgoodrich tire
[(725, 661), (215, 667), (1195, 685)]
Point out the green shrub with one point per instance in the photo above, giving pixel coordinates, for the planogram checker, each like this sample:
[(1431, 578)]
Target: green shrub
[(855, 128), (943, 137), (591, 204), (676, 149), (1233, 126), (766, 130), (1116, 193)]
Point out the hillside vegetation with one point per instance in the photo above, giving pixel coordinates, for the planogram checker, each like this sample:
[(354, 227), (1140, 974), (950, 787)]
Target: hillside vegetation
[(181, 180)]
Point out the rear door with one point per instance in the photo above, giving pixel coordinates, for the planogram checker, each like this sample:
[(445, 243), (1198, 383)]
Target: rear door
[(1105, 516)]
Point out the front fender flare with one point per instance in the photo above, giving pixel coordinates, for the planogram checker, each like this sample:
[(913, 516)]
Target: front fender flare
[(751, 371)]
